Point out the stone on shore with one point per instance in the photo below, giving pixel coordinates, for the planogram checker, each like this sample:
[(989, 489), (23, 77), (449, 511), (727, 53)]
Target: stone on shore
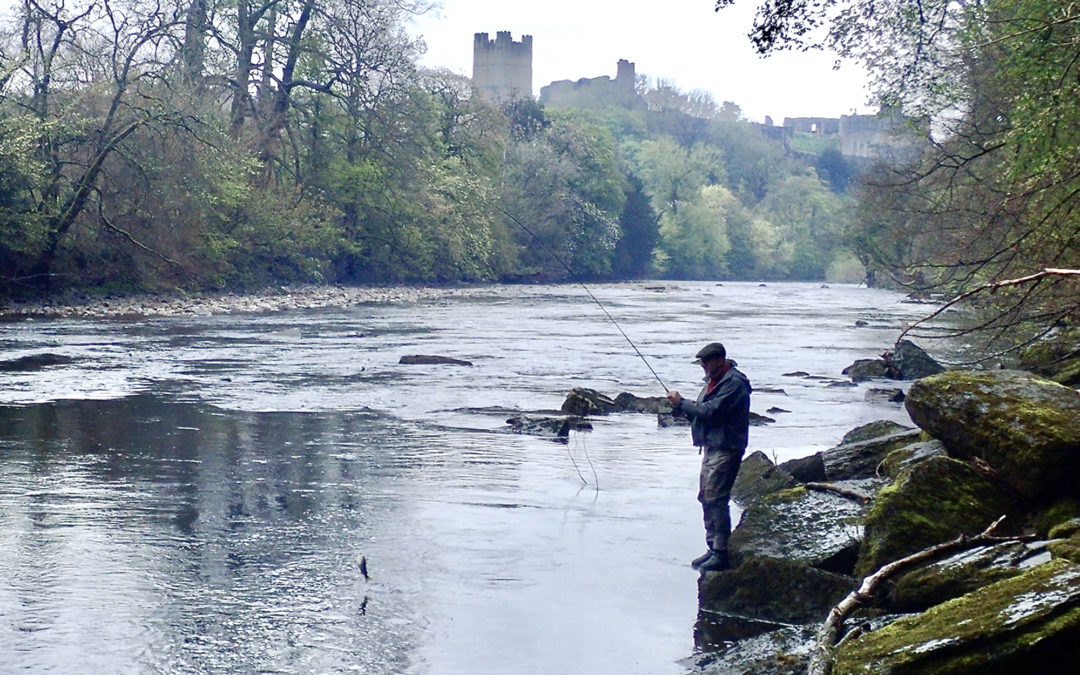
[(854, 459), (963, 573), (907, 361), (773, 589), (1024, 427), (1029, 623), (934, 501), (809, 527), (757, 477)]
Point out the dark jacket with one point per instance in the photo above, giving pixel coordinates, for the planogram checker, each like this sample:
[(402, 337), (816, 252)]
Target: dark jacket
[(721, 419)]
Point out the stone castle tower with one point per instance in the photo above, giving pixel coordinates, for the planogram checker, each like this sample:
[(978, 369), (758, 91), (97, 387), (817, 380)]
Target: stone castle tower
[(502, 68)]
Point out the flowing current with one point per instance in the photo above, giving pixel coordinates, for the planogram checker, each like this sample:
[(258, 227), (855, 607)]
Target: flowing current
[(205, 494)]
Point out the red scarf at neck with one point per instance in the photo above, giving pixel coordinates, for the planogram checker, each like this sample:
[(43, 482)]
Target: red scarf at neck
[(719, 376)]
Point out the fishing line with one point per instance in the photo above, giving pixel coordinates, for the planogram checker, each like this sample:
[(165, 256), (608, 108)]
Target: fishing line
[(581, 283)]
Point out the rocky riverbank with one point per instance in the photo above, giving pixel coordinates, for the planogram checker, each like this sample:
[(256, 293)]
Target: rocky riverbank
[(279, 299), (988, 444)]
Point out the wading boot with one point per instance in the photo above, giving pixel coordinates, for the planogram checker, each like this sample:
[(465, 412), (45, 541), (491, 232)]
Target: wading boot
[(716, 562), (696, 562)]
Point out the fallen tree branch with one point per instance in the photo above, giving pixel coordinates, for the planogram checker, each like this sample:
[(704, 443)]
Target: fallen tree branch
[(824, 652), (992, 287)]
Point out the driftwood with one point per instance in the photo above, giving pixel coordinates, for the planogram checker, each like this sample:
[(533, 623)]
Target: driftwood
[(839, 490), (824, 652)]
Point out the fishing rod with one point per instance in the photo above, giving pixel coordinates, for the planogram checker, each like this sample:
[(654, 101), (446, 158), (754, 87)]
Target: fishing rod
[(581, 283)]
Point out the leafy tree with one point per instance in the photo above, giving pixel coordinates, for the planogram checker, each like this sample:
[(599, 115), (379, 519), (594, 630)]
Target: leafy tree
[(694, 241), (639, 233)]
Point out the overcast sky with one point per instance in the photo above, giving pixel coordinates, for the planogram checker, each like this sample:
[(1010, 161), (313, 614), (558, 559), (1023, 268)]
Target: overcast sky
[(680, 40)]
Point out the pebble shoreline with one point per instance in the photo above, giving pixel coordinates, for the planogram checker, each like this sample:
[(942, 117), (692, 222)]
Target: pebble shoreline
[(271, 300)]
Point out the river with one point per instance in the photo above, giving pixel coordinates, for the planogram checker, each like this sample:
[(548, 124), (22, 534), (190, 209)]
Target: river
[(204, 494)]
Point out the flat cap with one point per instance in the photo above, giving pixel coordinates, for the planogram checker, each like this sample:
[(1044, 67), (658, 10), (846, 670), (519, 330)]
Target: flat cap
[(713, 350)]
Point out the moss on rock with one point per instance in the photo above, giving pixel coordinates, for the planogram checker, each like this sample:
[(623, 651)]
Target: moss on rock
[(1028, 623), (933, 501), (1026, 427), (773, 589)]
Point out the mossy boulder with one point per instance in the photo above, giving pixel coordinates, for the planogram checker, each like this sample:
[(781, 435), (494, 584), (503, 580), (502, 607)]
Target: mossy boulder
[(934, 501), (1066, 549), (812, 528), (1054, 521), (1029, 623), (872, 430), (1025, 427), (902, 459), (1056, 358), (962, 573), (758, 476), (773, 589)]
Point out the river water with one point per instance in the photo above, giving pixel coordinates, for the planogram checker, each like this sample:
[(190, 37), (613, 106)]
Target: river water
[(198, 495)]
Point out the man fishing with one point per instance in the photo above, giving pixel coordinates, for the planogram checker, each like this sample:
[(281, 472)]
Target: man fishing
[(719, 426)]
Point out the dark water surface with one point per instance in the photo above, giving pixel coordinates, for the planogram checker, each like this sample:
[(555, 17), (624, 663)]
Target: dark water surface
[(196, 495)]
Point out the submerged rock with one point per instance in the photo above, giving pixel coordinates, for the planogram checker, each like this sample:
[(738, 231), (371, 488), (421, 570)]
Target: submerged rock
[(584, 401), (556, 427), (1025, 427), (1030, 623), (863, 370), (34, 362), (431, 360)]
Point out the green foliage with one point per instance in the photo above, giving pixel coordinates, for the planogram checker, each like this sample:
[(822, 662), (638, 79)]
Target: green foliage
[(286, 142), (694, 240)]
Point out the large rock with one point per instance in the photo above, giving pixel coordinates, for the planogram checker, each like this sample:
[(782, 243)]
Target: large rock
[(758, 476), (1025, 427), (808, 527), (627, 402), (860, 459), (1030, 623), (902, 459), (964, 572), (934, 501), (783, 651), (863, 370), (908, 361), (583, 401), (773, 589), (810, 469)]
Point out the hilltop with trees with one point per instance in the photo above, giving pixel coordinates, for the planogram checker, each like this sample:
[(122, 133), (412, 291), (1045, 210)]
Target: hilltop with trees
[(202, 145)]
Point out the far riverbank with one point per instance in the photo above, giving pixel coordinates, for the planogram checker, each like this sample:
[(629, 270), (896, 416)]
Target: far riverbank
[(276, 299)]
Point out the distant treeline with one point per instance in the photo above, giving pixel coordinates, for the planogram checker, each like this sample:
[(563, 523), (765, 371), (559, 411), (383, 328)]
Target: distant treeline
[(201, 145)]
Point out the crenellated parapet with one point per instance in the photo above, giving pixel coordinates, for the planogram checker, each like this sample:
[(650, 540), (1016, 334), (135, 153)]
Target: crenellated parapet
[(502, 68)]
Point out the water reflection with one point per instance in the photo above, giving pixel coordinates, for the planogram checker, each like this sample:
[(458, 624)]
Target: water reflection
[(149, 534)]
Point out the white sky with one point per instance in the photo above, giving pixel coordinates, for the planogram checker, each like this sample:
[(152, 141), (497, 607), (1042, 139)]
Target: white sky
[(680, 40)]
